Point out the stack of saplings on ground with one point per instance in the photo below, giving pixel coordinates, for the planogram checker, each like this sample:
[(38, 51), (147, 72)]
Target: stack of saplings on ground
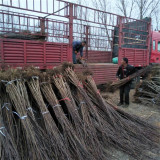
[(59, 115), (148, 90)]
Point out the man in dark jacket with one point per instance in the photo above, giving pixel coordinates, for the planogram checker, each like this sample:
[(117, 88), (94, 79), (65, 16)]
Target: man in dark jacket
[(77, 47), (124, 71)]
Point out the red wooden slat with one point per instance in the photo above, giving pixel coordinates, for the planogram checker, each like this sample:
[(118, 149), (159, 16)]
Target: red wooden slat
[(138, 59)]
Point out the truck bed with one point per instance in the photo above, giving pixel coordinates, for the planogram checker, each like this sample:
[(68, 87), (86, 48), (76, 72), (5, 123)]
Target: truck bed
[(102, 72)]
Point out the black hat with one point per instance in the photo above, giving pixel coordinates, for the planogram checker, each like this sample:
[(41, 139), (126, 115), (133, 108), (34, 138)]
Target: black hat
[(125, 59)]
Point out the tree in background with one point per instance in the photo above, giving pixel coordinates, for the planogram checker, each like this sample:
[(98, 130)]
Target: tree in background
[(126, 7), (103, 28), (104, 5), (147, 7), (138, 9), (156, 19)]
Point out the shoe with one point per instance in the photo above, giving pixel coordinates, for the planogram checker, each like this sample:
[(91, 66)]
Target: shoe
[(125, 106), (119, 104)]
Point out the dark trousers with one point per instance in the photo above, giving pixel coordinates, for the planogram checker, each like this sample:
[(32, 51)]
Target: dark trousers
[(124, 90), (74, 57)]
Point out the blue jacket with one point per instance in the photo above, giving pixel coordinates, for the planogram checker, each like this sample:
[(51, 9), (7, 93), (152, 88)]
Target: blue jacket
[(77, 46)]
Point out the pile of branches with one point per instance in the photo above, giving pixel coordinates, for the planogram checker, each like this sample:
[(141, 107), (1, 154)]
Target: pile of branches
[(148, 91), (113, 86), (59, 115), (24, 36)]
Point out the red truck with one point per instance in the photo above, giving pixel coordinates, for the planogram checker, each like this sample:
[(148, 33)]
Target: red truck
[(155, 48), (42, 37)]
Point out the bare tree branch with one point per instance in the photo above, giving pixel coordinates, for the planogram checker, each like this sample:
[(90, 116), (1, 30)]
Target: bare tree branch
[(157, 19), (146, 7), (126, 7), (132, 6)]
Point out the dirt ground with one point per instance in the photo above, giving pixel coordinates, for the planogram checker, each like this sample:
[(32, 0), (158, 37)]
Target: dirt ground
[(149, 113)]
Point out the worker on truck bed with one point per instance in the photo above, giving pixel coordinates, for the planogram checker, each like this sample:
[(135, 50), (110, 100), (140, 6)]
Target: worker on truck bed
[(77, 47), (124, 71)]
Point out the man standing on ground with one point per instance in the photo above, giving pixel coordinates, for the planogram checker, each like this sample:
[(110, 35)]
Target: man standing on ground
[(77, 47), (124, 71)]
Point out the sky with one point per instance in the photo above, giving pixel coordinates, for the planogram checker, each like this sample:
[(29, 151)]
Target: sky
[(111, 7)]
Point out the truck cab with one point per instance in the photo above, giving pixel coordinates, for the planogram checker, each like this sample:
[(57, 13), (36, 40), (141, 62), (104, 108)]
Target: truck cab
[(155, 49)]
